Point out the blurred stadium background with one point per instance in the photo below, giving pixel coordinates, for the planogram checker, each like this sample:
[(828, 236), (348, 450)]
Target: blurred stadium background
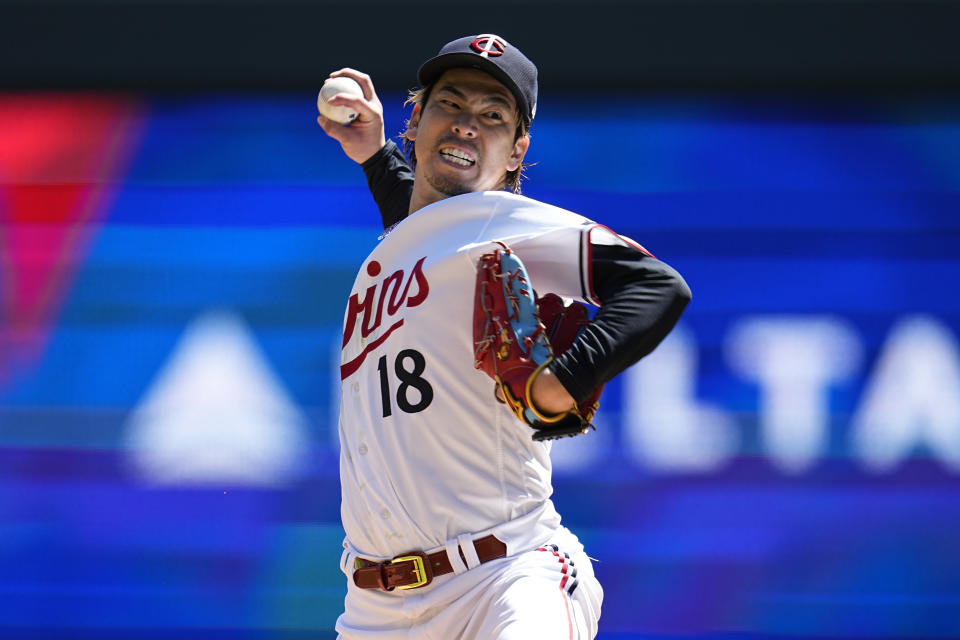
[(178, 238)]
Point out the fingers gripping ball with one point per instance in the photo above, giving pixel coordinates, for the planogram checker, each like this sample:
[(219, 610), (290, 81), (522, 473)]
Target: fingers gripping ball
[(516, 336), (332, 87)]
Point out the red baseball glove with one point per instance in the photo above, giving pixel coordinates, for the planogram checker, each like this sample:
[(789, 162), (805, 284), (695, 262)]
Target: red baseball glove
[(516, 335)]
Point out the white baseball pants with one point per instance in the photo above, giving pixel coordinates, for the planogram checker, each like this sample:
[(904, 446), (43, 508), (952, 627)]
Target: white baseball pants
[(548, 593)]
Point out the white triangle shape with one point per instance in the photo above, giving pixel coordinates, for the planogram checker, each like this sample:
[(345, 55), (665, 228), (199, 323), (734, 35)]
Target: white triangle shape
[(216, 414)]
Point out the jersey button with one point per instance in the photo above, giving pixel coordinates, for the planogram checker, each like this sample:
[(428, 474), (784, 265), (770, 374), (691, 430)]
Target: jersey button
[(362, 449), (385, 514)]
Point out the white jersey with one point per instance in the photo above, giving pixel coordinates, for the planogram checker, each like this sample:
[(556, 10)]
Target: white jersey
[(427, 453)]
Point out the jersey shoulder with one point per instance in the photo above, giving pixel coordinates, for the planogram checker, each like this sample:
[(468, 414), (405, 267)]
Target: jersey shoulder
[(475, 216), (511, 203), (488, 203)]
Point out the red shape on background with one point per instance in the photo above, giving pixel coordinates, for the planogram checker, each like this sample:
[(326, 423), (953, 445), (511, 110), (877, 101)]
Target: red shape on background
[(60, 159)]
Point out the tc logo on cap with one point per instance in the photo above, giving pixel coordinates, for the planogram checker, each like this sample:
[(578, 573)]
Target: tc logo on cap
[(488, 45)]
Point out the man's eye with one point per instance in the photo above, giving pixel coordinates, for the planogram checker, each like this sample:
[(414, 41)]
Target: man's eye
[(495, 115), (449, 103)]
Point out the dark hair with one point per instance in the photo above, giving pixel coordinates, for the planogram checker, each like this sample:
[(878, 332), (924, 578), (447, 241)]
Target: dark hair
[(513, 178)]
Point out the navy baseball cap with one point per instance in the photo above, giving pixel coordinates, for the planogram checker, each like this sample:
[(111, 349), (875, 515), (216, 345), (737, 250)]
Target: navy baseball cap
[(492, 54)]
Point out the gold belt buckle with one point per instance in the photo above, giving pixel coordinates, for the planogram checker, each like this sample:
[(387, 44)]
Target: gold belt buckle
[(421, 570)]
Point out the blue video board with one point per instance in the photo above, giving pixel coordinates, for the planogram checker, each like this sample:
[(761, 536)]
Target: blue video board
[(175, 272)]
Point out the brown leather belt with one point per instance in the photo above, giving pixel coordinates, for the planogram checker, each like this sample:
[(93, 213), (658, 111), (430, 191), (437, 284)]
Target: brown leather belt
[(417, 569)]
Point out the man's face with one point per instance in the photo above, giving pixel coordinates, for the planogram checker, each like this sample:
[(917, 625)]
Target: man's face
[(464, 134)]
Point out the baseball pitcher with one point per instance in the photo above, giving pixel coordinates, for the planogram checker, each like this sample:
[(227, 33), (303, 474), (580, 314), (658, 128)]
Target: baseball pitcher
[(466, 350)]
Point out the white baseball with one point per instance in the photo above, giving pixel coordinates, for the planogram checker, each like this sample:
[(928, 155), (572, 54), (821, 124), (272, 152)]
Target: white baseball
[(332, 87)]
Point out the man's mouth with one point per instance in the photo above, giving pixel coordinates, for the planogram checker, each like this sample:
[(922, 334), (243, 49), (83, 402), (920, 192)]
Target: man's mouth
[(458, 156)]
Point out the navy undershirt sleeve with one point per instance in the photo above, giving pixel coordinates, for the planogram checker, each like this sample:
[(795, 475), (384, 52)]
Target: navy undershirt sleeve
[(390, 180), (641, 300)]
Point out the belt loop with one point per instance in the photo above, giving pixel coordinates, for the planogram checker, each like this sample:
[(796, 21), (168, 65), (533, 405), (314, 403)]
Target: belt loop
[(382, 576), (469, 551), (453, 555)]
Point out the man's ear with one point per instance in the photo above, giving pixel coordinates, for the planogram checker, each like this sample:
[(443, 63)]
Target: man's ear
[(412, 124), (519, 150)]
